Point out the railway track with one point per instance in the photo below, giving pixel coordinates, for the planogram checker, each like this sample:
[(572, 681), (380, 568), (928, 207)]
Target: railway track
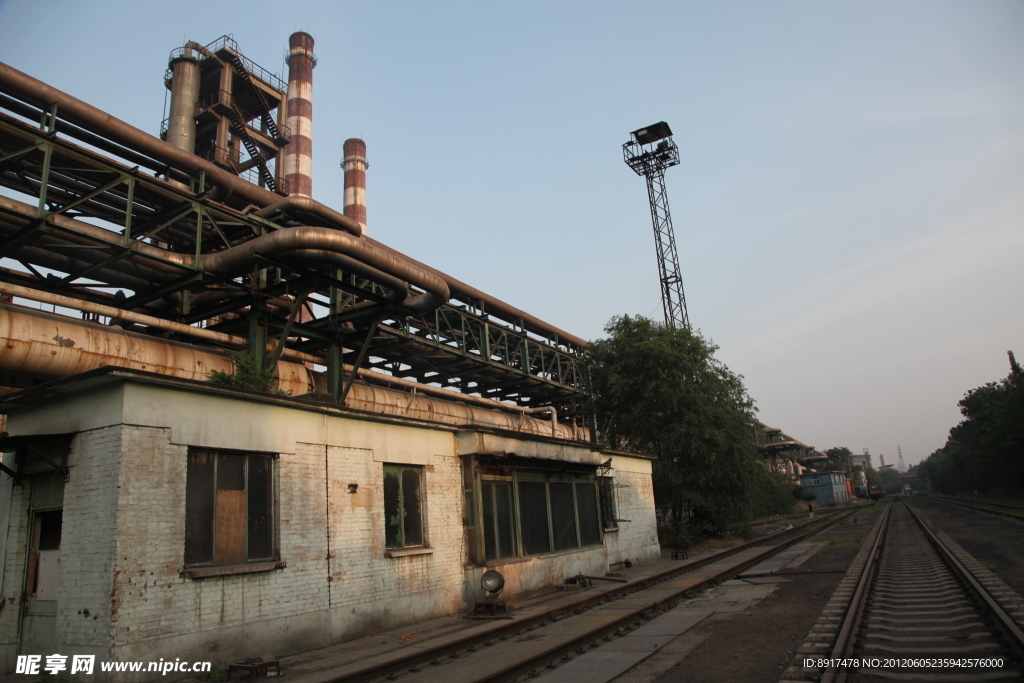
[(918, 613), (524, 648), (1004, 510)]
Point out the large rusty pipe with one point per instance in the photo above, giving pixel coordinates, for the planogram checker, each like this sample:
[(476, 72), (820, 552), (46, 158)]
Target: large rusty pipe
[(399, 288), (298, 155), (140, 318), (492, 304), (48, 346), (39, 94), (305, 205), (237, 259)]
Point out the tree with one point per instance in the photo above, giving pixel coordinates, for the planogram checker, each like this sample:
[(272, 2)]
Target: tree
[(890, 481), (660, 390), (985, 451), (840, 459)]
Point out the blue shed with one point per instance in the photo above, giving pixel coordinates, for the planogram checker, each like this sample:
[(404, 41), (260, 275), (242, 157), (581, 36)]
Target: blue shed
[(827, 488)]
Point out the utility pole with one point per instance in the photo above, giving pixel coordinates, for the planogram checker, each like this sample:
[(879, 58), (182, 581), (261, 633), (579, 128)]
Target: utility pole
[(649, 152)]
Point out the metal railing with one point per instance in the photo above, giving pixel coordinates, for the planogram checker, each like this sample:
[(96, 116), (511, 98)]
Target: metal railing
[(226, 42)]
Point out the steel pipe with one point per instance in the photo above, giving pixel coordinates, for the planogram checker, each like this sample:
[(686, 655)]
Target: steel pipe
[(236, 260), (305, 205), (140, 318), (42, 95)]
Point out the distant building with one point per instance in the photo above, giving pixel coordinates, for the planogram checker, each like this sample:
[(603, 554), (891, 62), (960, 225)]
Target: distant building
[(827, 488), (862, 459)]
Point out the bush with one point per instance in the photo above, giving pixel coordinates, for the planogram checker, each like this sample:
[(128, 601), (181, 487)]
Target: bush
[(248, 375)]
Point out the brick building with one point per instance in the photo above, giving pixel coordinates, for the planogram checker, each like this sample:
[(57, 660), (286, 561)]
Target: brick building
[(151, 516)]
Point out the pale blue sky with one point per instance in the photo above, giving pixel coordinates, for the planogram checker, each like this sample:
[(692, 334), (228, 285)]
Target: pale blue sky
[(848, 208)]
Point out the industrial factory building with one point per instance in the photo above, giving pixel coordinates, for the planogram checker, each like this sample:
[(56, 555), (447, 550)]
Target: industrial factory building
[(419, 431)]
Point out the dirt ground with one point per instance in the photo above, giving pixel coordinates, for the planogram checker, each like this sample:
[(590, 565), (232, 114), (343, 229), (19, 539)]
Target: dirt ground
[(757, 645), (997, 542)]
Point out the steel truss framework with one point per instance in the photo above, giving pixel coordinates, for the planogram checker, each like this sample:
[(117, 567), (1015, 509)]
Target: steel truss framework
[(459, 345), (651, 161)]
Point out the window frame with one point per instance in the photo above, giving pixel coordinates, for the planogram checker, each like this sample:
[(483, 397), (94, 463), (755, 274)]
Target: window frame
[(421, 485), (608, 503), (265, 562), (516, 478)]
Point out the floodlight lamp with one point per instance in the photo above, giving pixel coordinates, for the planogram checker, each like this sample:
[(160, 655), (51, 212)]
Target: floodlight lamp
[(652, 133), (492, 582)]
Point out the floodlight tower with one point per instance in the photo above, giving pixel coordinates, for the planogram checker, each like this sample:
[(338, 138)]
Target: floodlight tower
[(649, 152)]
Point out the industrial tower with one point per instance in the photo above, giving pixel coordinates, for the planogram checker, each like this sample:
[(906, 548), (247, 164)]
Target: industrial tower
[(650, 151)]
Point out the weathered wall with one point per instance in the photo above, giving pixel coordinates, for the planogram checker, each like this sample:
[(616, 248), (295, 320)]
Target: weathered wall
[(637, 539), (124, 529), (14, 574)]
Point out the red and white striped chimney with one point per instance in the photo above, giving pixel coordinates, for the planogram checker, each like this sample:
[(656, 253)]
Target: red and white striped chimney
[(298, 158), (355, 166)]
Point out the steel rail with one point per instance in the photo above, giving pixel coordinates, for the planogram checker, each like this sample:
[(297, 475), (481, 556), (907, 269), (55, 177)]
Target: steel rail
[(842, 652), (1010, 515), (414, 662), (1008, 624), (845, 639)]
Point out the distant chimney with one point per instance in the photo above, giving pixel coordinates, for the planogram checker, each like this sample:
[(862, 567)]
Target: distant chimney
[(298, 159), (355, 167)]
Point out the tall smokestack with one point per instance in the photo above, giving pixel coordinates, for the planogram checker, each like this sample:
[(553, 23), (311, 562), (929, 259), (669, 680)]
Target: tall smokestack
[(355, 166), (181, 120), (298, 159)]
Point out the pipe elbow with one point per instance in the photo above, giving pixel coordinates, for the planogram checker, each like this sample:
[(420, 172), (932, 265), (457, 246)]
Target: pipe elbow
[(307, 205)]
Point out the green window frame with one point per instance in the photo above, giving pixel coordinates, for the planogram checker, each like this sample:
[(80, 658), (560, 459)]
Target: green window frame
[(404, 495)]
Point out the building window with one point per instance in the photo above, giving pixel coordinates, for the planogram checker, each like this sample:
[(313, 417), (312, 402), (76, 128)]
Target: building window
[(609, 508), (229, 508), (403, 506), (815, 481), (532, 513)]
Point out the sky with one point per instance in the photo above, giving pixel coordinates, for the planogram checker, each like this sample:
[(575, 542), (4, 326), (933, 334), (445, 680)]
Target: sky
[(848, 208)]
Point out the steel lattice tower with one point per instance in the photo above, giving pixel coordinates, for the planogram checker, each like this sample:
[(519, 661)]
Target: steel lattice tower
[(650, 151)]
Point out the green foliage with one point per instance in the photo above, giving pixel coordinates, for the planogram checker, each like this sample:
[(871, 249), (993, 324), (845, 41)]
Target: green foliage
[(890, 481), (985, 452), (660, 390), (247, 375), (840, 459), (774, 494)]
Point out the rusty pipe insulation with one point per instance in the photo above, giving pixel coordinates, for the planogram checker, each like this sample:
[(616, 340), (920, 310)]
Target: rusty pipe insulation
[(298, 155), (49, 346), (309, 207), (237, 259), (39, 94), (398, 288), (448, 394), (233, 340), (34, 113), (148, 320), (493, 304), (354, 164)]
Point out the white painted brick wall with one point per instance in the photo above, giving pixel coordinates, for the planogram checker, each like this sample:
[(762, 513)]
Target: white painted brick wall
[(637, 539), (87, 542)]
